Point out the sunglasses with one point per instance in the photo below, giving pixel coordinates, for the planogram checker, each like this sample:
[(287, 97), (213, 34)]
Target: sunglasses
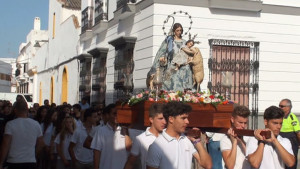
[(282, 106)]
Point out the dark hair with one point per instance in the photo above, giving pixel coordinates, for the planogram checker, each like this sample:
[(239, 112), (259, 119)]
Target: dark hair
[(273, 112), (19, 98), (242, 111), (60, 117), (36, 104), (174, 109), (88, 113), (155, 108), (21, 107), (39, 114), (108, 108), (85, 98), (53, 105), (190, 41), (177, 25), (77, 106)]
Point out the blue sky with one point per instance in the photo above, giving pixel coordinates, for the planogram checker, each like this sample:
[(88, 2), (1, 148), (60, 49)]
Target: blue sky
[(16, 20)]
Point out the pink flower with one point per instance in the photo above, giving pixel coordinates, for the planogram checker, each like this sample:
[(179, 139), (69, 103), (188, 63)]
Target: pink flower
[(151, 99), (139, 95), (147, 92)]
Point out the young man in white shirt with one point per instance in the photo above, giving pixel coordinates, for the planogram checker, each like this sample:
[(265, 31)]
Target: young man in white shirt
[(82, 158), (233, 147), (274, 152), (172, 149), (143, 141), (111, 144), (22, 139)]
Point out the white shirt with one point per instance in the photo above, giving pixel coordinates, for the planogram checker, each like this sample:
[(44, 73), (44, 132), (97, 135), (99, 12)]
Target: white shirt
[(141, 145), (84, 106), (66, 144), (82, 154), (240, 162), (167, 152), (24, 132), (78, 123), (112, 146), (271, 159), (47, 134), (215, 136)]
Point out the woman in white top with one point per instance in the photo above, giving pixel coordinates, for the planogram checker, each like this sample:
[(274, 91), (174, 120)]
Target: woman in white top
[(62, 142), (48, 128)]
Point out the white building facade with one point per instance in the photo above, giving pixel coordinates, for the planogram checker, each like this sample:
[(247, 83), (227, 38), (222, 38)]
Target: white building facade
[(256, 41), (13, 68), (5, 77), (27, 52), (55, 66)]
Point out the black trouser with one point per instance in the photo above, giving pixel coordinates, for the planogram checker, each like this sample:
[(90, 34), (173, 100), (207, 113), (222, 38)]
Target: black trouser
[(21, 165), (294, 141)]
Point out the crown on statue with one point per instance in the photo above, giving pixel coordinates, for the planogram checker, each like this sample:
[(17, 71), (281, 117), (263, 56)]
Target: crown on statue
[(193, 38)]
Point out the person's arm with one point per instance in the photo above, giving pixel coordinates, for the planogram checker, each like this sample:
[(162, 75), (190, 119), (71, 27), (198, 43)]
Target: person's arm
[(6, 141), (256, 157), (188, 51), (71, 151), (40, 144), (229, 156), (148, 167), (287, 158), (87, 142), (52, 146), (97, 156), (59, 148), (130, 161), (298, 136), (128, 141), (202, 156)]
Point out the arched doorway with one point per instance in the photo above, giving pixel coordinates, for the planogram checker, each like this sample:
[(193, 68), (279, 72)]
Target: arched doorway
[(64, 92), (52, 90), (41, 94)]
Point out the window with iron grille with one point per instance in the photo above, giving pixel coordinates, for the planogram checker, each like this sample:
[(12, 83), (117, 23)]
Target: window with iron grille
[(99, 78), (233, 72), (100, 10), (124, 66), (86, 19), (85, 78)]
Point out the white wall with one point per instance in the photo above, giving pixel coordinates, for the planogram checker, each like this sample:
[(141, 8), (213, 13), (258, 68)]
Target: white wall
[(5, 68), (278, 35), (63, 48), (279, 45)]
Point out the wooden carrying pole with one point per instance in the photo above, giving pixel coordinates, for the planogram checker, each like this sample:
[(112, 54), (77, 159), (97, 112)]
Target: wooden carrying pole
[(246, 132)]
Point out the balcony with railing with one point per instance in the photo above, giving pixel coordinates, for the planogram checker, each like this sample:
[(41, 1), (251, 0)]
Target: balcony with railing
[(87, 23), (125, 8), (100, 16)]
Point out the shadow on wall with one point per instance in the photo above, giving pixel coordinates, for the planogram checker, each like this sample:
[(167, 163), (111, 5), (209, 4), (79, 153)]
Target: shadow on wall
[(126, 25), (101, 37), (234, 12)]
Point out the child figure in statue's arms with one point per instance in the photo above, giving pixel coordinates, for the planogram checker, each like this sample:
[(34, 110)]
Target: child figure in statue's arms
[(184, 55)]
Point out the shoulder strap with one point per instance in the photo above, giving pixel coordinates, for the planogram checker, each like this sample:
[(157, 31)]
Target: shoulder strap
[(291, 116)]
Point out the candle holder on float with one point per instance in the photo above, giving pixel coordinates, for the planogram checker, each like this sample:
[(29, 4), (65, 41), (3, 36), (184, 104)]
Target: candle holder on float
[(157, 82)]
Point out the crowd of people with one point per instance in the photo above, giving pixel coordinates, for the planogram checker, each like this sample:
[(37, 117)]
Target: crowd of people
[(82, 137)]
